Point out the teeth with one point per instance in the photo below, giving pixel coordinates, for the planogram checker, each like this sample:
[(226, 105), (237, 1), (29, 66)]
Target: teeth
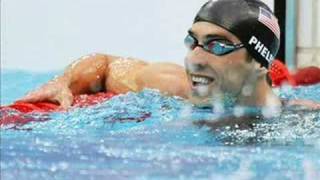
[(202, 80)]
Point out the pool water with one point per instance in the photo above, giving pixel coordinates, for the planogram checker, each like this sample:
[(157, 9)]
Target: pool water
[(149, 136)]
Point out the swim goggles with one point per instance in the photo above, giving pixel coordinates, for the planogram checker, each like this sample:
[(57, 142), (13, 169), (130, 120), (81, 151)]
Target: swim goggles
[(215, 47)]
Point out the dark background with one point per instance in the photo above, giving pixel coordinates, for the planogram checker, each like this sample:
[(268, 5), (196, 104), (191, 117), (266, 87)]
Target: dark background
[(280, 12)]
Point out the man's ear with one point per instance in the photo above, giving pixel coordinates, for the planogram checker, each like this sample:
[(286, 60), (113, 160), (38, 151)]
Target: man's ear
[(262, 72), (259, 70), (257, 66)]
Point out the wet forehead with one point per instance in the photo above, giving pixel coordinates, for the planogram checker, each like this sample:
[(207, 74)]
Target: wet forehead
[(202, 30)]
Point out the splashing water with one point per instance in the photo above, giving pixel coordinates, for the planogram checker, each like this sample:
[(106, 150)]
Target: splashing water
[(149, 136)]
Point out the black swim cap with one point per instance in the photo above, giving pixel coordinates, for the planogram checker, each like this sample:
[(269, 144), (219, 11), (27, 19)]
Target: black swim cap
[(251, 21)]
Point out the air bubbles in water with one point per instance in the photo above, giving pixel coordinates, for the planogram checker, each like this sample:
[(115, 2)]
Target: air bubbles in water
[(239, 111), (218, 107), (203, 90), (272, 108), (247, 90), (186, 112)]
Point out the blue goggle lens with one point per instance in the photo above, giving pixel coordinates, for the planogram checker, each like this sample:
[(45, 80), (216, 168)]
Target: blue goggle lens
[(214, 47), (218, 48), (190, 42)]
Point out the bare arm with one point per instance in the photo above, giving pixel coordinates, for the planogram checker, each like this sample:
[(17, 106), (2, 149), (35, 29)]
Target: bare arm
[(86, 75), (96, 73)]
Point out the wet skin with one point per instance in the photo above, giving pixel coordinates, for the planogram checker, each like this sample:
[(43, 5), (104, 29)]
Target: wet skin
[(226, 74), (235, 75), (223, 73), (206, 79)]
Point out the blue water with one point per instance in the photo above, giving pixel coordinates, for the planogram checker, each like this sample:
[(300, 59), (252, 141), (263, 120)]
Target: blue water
[(105, 141)]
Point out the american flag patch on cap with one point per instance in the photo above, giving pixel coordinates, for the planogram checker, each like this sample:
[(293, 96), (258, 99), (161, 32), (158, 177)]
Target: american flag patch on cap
[(269, 20)]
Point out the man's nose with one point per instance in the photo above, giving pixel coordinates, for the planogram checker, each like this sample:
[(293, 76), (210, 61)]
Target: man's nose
[(198, 57)]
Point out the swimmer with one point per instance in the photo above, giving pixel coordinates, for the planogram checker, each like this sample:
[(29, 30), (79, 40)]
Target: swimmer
[(231, 45)]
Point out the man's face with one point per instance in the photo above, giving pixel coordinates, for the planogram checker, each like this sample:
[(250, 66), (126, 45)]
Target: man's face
[(213, 77)]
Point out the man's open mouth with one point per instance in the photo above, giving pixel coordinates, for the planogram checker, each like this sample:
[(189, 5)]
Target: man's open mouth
[(200, 80)]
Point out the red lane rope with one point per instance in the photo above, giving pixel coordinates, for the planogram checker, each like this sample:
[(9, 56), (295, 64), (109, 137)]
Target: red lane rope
[(280, 74), (307, 76), (25, 109)]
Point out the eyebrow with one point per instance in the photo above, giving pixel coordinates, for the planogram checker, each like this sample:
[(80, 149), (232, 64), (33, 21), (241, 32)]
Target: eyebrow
[(210, 37)]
